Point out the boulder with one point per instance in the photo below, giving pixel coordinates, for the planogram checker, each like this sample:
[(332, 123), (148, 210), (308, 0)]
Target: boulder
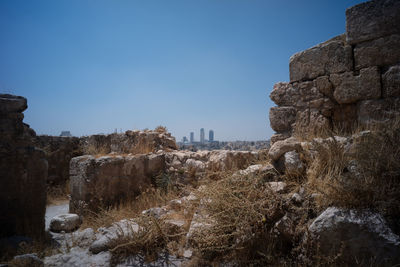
[(380, 52), (282, 118), (371, 20), (31, 260), (277, 187), (357, 235), (323, 84), (65, 223), (107, 236), (279, 137), (293, 165), (281, 147), (197, 165), (391, 82), (350, 88), (12, 103), (284, 94), (333, 56)]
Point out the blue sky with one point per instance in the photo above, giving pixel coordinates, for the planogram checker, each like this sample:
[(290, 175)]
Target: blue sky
[(92, 66)]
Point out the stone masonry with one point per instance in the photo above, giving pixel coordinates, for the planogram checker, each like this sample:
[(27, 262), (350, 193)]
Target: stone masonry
[(352, 79), (23, 172)]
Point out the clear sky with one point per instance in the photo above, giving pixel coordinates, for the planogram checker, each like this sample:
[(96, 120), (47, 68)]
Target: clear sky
[(91, 66)]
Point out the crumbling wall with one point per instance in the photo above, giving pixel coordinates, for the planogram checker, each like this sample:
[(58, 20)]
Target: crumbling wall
[(58, 151), (23, 172), (352, 79), (135, 142)]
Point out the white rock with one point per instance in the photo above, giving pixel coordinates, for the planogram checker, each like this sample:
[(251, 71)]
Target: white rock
[(293, 165), (277, 186), (363, 234), (65, 222)]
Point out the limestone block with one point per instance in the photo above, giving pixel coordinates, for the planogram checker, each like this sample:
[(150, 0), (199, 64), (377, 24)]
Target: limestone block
[(351, 88), (282, 118), (384, 51), (371, 20), (284, 94), (330, 57)]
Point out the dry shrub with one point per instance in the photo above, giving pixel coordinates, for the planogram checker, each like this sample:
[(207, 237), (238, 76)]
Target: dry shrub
[(366, 176), (161, 129), (154, 238), (57, 193), (240, 212), (95, 149), (152, 197)]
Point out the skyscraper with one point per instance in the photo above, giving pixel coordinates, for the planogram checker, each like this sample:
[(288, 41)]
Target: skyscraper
[(211, 136), (191, 137), (202, 135)]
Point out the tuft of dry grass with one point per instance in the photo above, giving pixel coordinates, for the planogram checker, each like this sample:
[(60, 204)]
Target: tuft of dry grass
[(366, 175), (151, 197), (240, 212), (161, 129)]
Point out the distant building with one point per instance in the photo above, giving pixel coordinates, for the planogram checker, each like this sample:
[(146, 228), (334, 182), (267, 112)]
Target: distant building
[(184, 139), (66, 134), (192, 137), (202, 135), (211, 136)]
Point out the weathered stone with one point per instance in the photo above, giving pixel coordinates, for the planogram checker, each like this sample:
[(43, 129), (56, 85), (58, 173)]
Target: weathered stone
[(65, 222), (324, 86), (12, 103), (281, 147), (108, 236), (59, 151), (380, 52), (23, 172), (277, 187), (197, 165), (357, 235), (371, 20), (223, 160), (330, 57), (311, 122), (279, 137), (391, 82), (282, 118), (31, 260), (350, 88), (284, 94), (293, 165), (105, 181), (378, 111)]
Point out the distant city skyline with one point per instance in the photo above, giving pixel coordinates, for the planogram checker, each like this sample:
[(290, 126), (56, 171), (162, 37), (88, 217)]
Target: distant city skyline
[(201, 135)]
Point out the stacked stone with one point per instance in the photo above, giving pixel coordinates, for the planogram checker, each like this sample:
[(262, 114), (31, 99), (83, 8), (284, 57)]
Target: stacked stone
[(351, 79), (23, 172)]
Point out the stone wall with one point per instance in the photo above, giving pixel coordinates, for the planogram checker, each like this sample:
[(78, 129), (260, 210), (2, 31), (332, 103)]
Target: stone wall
[(135, 142), (107, 180), (352, 79), (59, 151), (23, 172)]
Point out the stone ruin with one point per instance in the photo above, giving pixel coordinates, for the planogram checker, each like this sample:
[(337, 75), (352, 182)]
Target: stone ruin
[(350, 80), (23, 172)]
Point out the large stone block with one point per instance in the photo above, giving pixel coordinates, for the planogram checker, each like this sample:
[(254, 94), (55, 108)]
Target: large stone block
[(384, 51), (284, 94), (333, 56), (344, 117), (282, 118), (311, 122), (378, 111), (12, 103), (350, 88), (371, 20), (391, 82), (108, 180)]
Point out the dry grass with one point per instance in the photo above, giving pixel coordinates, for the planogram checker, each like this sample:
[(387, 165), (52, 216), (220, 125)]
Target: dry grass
[(366, 176), (57, 194), (152, 197), (161, 129), (240, 211)]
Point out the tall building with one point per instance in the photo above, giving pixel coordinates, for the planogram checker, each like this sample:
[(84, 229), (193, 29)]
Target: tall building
[(192, 137), (184, 139), (202, 135), (211, 136)]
